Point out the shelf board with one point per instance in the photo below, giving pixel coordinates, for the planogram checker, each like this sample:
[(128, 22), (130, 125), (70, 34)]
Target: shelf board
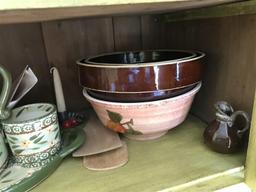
[(232, 9), (176, 161), (16, 11)]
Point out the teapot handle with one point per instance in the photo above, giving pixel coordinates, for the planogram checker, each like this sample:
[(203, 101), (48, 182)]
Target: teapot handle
[(247, 123), (4, 96)]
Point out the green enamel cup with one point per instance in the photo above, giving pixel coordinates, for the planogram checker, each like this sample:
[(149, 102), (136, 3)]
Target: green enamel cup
[(33, 134)]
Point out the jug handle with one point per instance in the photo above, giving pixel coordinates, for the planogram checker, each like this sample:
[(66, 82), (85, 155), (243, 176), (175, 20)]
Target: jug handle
[(247, 121), (4, 96)]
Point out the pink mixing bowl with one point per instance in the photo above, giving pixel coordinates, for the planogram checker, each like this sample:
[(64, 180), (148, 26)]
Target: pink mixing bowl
[(144, 120)]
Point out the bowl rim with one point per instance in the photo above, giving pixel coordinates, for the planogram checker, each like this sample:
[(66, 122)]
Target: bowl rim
[(134, 92), (10, 121), (92, 99), (195, 55)]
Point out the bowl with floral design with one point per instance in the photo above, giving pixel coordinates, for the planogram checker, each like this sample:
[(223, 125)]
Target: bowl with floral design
[(144, 120)]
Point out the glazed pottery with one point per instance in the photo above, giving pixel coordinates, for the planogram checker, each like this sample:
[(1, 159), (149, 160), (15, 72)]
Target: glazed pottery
[(139, 97), (224, 135), (4, 113), (143, 120), (3, 153), (33, 134), (141, 75), (18, 178)]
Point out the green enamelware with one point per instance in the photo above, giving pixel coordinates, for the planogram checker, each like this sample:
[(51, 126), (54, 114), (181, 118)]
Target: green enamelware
[(4, 96), (28, 178), (33, 134), (4, 114)]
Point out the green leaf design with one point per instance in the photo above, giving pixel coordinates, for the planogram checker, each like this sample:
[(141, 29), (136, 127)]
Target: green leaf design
[(115, 117), (35, 148), (56, 129), (19, 113), (18, 151), (38, 139), (1, 153), (33, 137), (6, 181), (6, 174), (13, 138), (48, 109), (15, 146), (42, 142), (132, 131), (12, 142), (57, 135)]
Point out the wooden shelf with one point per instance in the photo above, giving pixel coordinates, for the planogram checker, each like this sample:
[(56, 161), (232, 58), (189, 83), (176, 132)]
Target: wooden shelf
[(176, 162), (15, 11), (233, 9)]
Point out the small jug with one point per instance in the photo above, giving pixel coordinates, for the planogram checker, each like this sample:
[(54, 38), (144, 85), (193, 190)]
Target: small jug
[(4, 114), (223, 135)]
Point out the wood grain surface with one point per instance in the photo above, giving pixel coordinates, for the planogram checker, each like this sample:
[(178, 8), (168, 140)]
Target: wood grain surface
[(99, 139), (23, 45), (153, 32), (229, 67), (175, 159), (250, 156), (127, 33), (108, 160), (68, 41), (30, 11)]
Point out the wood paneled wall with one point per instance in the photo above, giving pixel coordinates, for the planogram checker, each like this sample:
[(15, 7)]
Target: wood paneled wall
[(61, 43), (230, 45), (22, 45), (230, 68)]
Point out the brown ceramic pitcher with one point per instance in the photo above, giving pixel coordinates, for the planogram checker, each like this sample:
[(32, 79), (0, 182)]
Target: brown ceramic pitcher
[(224, 135)]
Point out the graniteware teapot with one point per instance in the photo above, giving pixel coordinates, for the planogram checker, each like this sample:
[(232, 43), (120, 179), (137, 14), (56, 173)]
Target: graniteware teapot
[(4, 114), (224, 135)]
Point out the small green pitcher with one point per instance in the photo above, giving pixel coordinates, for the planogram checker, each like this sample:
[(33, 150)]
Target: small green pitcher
[(4, 114)]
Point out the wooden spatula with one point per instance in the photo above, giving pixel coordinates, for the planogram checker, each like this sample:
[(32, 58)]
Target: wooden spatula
[(98, 138), (107, 160)]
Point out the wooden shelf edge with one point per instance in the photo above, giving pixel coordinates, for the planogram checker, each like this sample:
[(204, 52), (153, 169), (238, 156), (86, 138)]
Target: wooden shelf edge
[(231, 9), (176, 162), (42, 13), (237, 187), (194, 185), (250, 176)]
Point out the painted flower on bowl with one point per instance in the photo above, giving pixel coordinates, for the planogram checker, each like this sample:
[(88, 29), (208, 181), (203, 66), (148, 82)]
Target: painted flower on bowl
[(25, 144), (116, 125)]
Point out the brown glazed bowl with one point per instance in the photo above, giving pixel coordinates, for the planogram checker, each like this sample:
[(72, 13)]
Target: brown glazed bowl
[(140, 75)]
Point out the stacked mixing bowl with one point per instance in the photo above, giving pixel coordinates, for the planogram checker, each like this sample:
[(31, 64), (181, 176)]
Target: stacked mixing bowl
[(142, 94)]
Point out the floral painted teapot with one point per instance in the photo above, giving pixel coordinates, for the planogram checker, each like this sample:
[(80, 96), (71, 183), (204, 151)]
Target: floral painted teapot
[(224, 135)]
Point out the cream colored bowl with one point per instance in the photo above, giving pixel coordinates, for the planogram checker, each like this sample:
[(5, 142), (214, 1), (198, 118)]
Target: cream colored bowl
[(144, 120)]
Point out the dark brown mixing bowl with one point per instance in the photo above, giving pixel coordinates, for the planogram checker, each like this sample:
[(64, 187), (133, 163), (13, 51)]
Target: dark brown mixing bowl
[(141, 75), (139, 97)]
